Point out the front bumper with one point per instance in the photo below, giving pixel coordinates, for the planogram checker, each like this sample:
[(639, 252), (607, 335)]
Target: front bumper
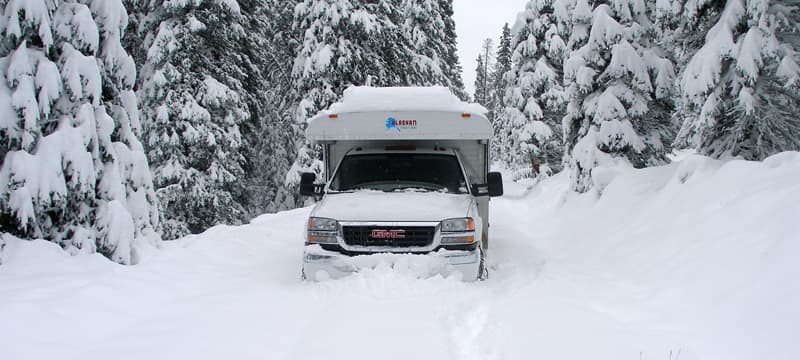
[(320, 264)]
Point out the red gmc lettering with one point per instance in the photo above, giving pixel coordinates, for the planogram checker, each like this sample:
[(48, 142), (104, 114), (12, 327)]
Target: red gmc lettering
[(388, 234)]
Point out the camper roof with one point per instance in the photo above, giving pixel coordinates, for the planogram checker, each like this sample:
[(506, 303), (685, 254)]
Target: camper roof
[(405, 113)]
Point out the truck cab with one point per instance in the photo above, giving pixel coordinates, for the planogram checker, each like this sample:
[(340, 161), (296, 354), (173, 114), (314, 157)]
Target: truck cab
[(401, 177)]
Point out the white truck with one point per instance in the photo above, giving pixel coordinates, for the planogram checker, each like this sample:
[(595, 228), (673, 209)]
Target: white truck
[(406, 172)]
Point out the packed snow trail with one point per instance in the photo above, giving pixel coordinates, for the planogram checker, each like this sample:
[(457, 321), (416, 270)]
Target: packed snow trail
[(695, 260)]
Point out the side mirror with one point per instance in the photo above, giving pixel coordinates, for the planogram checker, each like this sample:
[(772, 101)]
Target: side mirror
[(308, 186), (494, 186)]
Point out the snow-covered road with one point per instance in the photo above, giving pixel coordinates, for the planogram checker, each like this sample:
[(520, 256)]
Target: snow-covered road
[(696, 260)]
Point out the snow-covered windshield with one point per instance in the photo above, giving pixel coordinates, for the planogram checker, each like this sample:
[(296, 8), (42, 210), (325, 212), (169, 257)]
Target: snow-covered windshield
[(397, 172)]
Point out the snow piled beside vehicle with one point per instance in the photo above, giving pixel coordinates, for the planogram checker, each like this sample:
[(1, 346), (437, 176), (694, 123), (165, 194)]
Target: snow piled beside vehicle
[(694, 260)]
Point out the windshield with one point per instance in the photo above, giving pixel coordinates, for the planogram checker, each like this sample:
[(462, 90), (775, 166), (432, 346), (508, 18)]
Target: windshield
[(406, 171)]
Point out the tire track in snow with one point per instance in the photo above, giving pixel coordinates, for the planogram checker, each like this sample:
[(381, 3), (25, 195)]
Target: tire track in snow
[(472, 332), (473, 327)]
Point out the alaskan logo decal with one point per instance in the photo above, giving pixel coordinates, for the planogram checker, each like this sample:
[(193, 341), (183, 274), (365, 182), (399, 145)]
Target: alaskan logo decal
[(399, 125)]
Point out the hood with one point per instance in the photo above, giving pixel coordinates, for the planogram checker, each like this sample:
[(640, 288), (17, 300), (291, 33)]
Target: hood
[(393, 206)]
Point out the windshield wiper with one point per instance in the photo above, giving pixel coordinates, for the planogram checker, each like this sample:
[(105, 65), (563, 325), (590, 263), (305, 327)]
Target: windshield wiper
[(419, 188), (340, 191)]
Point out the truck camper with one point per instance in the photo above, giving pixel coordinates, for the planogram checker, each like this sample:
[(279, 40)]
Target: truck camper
[(406, 172)]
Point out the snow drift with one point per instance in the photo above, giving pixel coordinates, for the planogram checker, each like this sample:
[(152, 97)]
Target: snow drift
[(694, 260)]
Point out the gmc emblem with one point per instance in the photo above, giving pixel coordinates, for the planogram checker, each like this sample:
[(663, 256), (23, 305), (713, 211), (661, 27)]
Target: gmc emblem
[(387, 234)]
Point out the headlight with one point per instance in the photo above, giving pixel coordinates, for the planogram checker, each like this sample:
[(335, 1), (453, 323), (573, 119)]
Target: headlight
[(458, 225), (322, 224), (322, 231)]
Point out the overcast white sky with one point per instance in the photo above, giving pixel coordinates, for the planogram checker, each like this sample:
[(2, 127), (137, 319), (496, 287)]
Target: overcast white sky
[(477, 20)]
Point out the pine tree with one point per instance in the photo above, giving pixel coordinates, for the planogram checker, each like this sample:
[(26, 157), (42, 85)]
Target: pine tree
[(266, 55), (529, 129), (740, 88), (429, 33), (269, 147), (481, 82), (449, 56), (194, 104), (73, 171), (501, 67), (617, 79)]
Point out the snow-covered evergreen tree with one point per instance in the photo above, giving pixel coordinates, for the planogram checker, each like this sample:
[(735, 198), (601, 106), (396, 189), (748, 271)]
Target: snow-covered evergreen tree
[(73, 171), (193, 106), (740, 87), (270, 46), (429, 33), (529, 130), (502, 65), (450, 54), (616, 78), (481, 95), (483, 77), (265, 56)]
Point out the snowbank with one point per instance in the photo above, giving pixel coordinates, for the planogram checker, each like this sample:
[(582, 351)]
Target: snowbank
[(691, 261), (697, 258)]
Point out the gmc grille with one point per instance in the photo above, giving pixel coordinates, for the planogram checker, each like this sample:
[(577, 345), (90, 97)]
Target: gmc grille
[(412, 236)]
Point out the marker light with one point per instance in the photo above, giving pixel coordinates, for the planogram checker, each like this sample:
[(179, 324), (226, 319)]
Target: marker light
[(466, 115), (451, 240), (333, 116)]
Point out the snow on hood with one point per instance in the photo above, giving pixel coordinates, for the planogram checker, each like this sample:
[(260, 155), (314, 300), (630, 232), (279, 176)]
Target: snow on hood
[(393, 206)]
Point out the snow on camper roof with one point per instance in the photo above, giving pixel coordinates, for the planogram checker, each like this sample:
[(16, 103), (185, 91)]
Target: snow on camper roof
[(370, 99), (399, 113)]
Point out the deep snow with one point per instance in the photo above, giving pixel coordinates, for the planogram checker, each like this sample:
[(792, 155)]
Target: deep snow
[(695, 260)]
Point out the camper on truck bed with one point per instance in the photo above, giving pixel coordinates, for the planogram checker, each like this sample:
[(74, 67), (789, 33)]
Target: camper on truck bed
[(406, 172)]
